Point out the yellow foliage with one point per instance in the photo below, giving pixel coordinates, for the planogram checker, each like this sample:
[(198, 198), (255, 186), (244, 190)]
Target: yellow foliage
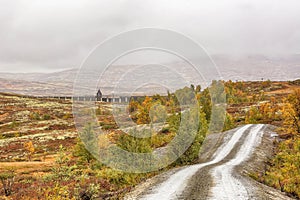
[(284, 173), (143, 111), (29, 148), (103, 141)]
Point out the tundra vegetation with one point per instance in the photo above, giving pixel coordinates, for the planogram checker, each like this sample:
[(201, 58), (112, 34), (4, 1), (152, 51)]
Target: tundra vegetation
[(39, 140)]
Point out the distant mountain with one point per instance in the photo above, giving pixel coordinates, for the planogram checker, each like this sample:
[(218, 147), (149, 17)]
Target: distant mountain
[(254, 67), (33, 88), (257, 67), (61, 77)]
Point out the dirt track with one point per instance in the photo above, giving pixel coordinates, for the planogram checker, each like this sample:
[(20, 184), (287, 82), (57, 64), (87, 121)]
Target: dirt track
[(225, 162)]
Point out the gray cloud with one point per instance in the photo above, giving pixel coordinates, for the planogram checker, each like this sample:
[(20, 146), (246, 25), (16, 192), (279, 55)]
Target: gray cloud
[(50, 35)]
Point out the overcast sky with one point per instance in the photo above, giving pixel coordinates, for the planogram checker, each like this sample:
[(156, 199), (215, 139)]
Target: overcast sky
[(49, 35)]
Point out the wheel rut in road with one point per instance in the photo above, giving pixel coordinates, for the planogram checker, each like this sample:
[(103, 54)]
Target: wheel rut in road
[(219, 175)]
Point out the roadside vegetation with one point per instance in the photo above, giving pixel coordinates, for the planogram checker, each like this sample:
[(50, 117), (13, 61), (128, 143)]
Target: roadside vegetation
[(284, 170), (277, 104)]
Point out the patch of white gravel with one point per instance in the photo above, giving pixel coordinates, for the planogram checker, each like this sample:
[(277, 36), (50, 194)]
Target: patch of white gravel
[(227, 186), (41, 137)]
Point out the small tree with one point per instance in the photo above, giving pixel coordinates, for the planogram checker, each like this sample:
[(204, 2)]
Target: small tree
[(157, 113), (143, 111), (291, 114), (294, 100), (29, 148), (7, 180), (253, 116), (87, 145), (62, 171), (81, 152), (229, 122)]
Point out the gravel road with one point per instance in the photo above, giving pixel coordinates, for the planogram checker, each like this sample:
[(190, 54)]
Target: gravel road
[(222, 173)]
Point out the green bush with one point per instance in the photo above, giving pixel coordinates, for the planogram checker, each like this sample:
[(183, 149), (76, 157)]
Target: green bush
[(46, 117), (118, 177), (35, 116)]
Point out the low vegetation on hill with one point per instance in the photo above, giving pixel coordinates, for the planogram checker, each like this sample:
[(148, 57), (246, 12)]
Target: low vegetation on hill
[(42, 156)]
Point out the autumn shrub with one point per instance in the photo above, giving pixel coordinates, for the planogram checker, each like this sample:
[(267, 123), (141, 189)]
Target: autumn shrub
[(190, 129), (253, 116), (57, 192), (229, 122), (235, 92), (284, 171), (67, 116), (83, 155), (161, 139), (14, 124), (174, 122), (118, 177), (62, 170), (158, 113), (7, 180), (134, 144), (291, 114), (29, 149), (108, 126), (91, 193), (35, 116), (46, 117), (143, 116), (99, 111)]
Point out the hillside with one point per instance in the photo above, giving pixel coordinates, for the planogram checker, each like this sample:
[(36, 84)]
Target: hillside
[(231, 68), (41, 151)]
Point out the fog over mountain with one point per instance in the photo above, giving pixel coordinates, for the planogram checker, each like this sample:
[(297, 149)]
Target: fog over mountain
[(46, 36), (44, 43)]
